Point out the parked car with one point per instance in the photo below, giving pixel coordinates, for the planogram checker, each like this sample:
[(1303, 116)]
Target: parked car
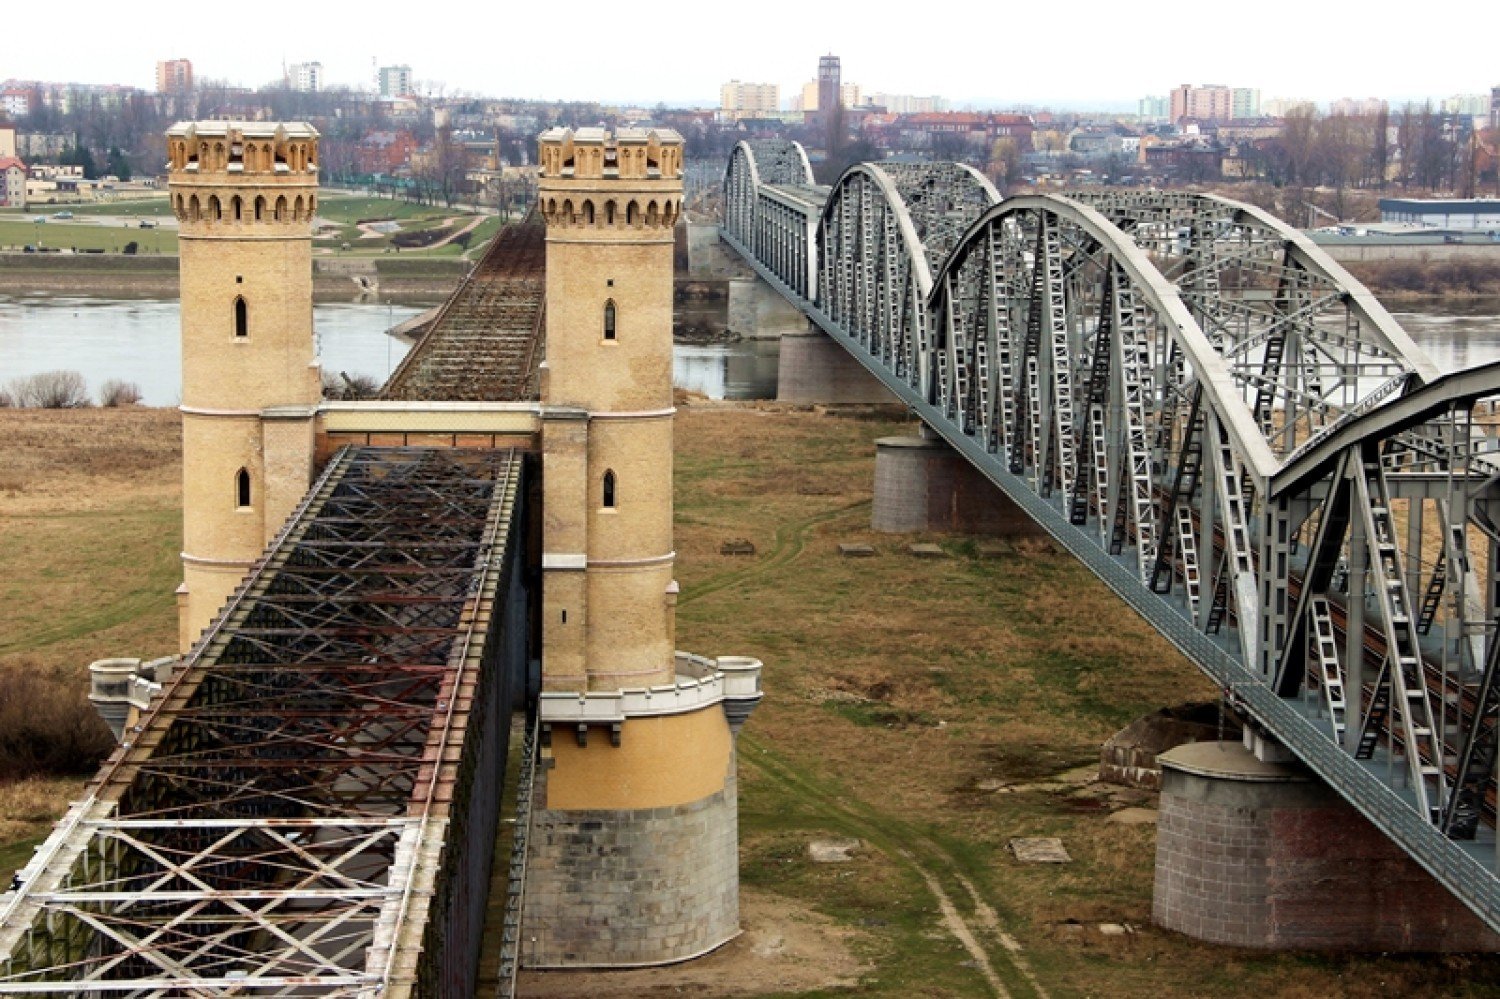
[(64, 214), (147, 224)]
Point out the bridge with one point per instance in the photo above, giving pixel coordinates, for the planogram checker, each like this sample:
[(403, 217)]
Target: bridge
[(1219, 422)]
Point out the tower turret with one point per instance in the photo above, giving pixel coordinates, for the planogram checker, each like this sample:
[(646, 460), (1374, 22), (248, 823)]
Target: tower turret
[(244, 194)]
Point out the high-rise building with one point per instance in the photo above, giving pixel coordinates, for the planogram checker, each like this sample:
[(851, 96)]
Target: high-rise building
[(748, 100), (1244, 102), (395, 81), (1468, 105), (896, 103), (1212, 102), (306, 77), (809, 104), (1495, 107), (174, 76), (1153, 108), (244, 195)]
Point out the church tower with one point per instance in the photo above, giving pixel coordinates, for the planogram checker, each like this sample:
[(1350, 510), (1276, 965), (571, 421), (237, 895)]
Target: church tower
[(244, 194), (634, 848)]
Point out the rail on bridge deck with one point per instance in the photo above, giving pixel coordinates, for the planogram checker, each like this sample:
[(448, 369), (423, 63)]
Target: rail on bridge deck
[(309, 807), (1224, 426), (484, 344)]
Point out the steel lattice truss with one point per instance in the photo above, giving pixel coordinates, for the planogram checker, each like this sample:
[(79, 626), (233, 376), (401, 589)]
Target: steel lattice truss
[(278, 824), (1235, 436)]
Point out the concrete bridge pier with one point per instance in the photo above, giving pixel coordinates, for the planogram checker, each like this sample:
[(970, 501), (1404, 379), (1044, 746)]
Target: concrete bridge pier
[(1260, 853), (923, 484), (758, 310), (812, 369)]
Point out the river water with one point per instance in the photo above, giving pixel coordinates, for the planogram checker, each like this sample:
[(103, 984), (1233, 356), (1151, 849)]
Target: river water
[(136, 340)]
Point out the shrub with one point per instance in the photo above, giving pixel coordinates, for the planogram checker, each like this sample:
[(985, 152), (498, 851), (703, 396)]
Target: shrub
[(51, 390), (47, 725), (117, 392), (346, 387), (6, 399)]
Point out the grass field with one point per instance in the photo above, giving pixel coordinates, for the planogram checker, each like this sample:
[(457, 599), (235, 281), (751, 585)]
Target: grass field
[(933, 709), (17, 228), (85, 236)]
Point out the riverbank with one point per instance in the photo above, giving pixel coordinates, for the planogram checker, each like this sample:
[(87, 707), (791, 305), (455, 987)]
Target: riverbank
[(927, 709), (156, 276)]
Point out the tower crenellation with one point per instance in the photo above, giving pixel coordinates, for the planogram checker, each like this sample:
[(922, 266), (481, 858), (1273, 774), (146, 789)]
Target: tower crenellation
[(237, 173)]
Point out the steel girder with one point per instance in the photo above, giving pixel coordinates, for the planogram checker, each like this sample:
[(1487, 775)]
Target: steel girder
[(279, 822), (1235, 436)]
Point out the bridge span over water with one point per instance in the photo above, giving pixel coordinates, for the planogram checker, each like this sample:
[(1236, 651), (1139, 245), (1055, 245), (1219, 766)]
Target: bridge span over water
[(1222, 424)]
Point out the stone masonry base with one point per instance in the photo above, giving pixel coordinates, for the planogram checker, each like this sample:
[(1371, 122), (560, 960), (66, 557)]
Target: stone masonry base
[(923, 484), (607, 888), (1264, 855)]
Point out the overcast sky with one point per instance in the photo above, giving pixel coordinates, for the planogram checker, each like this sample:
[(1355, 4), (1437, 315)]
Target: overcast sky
[(1065, 52)]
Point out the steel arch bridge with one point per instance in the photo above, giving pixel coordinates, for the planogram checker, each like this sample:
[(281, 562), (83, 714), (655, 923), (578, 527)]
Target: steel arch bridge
[(1222, 424)]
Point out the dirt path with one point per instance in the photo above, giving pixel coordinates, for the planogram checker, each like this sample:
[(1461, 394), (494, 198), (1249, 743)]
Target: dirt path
[(997, 955)]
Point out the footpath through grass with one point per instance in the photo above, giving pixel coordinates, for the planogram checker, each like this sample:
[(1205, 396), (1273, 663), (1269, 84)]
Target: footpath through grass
[(935, 709)]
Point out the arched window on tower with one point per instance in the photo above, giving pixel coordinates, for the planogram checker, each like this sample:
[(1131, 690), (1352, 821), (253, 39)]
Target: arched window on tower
[(609, 320), (242, 489), (241, 317), (609, 490)]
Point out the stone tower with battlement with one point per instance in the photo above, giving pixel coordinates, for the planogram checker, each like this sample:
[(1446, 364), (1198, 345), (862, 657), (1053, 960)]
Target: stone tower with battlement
[(634, 850), (244, 194)]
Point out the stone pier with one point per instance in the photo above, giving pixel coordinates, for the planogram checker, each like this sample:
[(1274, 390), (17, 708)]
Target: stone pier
[(922, 484), (813, 369), (1265, 855)]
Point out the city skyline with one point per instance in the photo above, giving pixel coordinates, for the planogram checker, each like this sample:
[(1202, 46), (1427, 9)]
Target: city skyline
[(1100, 66)]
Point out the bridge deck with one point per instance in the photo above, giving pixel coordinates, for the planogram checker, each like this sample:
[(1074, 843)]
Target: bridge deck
[(279, 823), (484, 343)]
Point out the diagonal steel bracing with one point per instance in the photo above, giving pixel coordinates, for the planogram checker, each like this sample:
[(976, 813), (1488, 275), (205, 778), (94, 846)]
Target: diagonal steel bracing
[(1236, 437), (278, 825)]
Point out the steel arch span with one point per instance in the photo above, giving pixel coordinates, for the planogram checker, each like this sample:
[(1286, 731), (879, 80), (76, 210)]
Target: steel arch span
[(1234, 435)]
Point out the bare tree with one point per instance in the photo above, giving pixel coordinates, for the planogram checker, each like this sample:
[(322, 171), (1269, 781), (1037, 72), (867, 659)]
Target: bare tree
[(118, 392)]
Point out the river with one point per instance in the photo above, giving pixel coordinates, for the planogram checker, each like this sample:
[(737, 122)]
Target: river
[(136, 340)]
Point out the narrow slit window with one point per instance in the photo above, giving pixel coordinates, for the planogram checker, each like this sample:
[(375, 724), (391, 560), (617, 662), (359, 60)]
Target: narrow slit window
[(609, 320), (609, 490), (241, 318), (242, 489)]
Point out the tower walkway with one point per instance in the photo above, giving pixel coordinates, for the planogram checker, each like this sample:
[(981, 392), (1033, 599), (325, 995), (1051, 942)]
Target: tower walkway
[(1223, 425), (293, 816), (484, 345)]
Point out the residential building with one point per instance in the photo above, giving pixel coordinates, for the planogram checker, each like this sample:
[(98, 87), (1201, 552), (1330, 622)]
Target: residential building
[(1154, 108), (7, 140), (16, 101), (1280, 107), (1495, 107), (1468, 105), (748, 100), (12, 182), (1212, 102), (903, 103), (395, 81), (174, 76), (306, 77), (384, 152), (1370, 107), (1244, 103)]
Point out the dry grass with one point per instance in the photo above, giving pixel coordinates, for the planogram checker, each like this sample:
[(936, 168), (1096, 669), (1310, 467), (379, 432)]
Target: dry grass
[(900, 692)]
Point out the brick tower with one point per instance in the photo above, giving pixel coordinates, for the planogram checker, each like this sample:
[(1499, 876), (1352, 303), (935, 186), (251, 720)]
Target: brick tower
[(634, 844), (244, 195)]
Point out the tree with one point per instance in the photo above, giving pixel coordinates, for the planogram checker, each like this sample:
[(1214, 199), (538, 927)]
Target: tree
[(1004, 165), (118, 166), (78, 155)]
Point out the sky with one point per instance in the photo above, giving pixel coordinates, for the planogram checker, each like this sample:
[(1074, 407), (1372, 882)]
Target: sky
[(1065, 53)]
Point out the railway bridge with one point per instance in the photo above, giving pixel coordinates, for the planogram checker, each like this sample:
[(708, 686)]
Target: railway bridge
[(1219, 422)]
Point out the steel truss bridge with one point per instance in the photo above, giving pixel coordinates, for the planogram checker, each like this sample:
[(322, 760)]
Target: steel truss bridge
[(309, 808), (1217, 420)]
